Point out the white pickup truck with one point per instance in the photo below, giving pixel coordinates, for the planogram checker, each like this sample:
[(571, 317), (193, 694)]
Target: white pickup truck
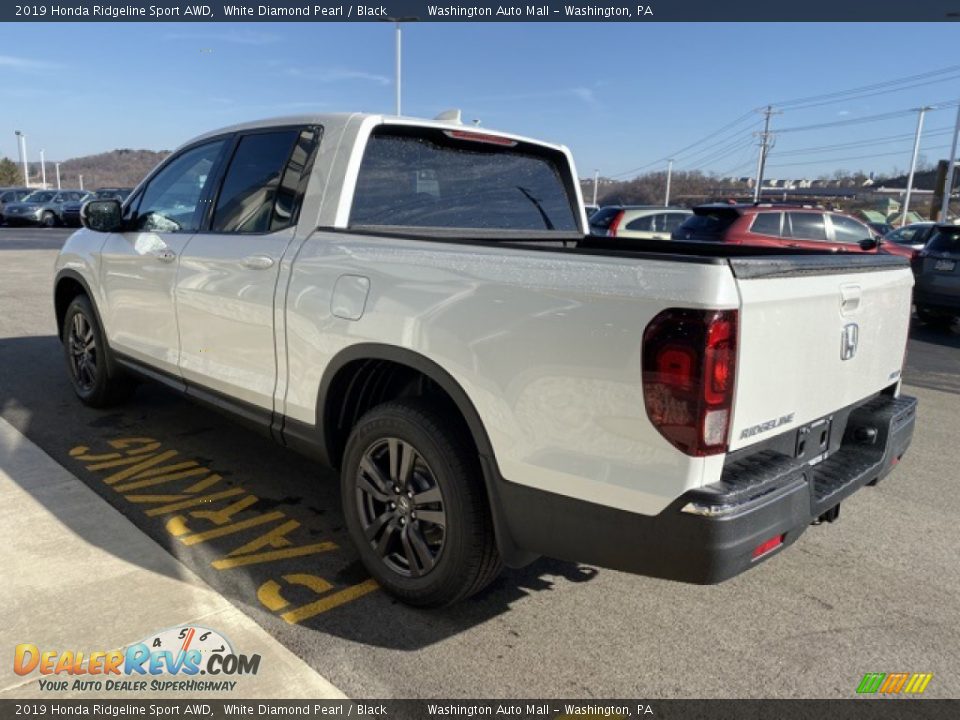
[(416, 303)]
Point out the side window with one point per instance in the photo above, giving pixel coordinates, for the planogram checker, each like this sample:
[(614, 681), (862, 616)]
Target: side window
[(848, 230), (252, 184), (807, 226), (672, 221), (171, 202), (644, 224), (766, 223)]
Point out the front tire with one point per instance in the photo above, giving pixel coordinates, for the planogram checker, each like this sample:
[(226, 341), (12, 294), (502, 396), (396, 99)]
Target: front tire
[(415, 505), (86, 354), (48, 219)]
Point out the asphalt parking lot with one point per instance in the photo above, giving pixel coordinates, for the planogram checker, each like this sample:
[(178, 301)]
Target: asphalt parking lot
[(878, 591)]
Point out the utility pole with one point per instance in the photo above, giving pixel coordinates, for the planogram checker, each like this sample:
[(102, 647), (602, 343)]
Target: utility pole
[(57, 166), (666, 198), (596, 180), (22, 146), (81, 182), (765, 146), (951, 166), (43, 170), (913, 163)]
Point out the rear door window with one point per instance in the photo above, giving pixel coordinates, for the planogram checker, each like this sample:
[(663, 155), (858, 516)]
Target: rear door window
[(767, 223), (807, 226), (425, 178), (647, 223), (848, 230)]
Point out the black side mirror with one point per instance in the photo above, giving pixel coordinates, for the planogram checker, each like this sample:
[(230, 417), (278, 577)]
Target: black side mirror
[(869, 243), (102, 215)]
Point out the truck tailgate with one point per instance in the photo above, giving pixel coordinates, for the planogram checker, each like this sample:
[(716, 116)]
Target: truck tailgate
[(817, 333)]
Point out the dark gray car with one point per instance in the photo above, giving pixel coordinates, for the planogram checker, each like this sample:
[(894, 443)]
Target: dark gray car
[(11, 195), (42, 207), (937, 272)]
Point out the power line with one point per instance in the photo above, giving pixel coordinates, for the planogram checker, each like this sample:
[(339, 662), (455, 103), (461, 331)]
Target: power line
[(692, 145), (866, 118), (891, 85), (863, 143), (852, 157)]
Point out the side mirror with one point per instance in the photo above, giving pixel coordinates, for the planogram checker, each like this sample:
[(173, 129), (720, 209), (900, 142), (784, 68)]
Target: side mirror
[(869, 243), (102, 215)]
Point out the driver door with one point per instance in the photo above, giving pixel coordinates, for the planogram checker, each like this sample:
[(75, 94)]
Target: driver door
[(139, 266)]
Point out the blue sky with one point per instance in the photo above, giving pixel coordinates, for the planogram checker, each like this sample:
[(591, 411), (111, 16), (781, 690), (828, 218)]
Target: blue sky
[(620, 95)]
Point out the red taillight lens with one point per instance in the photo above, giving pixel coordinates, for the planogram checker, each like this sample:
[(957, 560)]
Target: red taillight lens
[(768, 545), (615, 224), (689, 369)]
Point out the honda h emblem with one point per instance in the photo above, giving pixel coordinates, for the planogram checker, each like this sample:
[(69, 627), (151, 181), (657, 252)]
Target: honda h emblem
[(848, 341)]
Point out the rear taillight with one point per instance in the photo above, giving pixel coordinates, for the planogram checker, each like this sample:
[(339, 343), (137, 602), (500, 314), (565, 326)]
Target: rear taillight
[(689, 369), (614, 224)]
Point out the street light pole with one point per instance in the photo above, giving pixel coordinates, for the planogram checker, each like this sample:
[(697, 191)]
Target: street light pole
[(399, 59), (397, 21), (951, 166), (22, 147), (596, 180), (666, 199), (57, 166), (43, 170), (81, 182), (913, 163)]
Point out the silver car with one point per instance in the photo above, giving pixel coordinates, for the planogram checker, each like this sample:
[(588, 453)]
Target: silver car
[(42, 207)]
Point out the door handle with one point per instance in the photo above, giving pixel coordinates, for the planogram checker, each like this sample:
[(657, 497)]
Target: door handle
[(257, 262), (166, 256)]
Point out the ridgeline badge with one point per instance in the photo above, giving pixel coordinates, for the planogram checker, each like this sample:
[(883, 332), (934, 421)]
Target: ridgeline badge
[(182, 651)]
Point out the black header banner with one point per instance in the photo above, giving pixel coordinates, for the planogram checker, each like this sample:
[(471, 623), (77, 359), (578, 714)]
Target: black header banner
[(468, 11)]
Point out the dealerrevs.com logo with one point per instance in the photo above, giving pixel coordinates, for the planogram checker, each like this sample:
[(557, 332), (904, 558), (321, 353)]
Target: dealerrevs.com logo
[(171, 660)]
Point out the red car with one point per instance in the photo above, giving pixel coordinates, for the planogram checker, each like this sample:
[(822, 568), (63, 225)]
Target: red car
[(792, 226)]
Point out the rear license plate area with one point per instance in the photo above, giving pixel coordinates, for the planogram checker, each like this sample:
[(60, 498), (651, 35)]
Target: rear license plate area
[(813, 441)]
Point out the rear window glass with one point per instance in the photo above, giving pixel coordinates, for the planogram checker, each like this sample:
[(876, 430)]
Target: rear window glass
[(807, 226), (945, 240), (707, 224), (420, 178), (766, 224), (602, 218)]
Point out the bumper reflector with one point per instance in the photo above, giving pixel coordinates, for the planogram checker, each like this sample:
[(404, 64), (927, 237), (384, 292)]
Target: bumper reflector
[(768, 545)]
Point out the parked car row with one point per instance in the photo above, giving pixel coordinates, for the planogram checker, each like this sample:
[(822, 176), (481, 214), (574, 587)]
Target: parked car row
[(933, 249), (50, 208)]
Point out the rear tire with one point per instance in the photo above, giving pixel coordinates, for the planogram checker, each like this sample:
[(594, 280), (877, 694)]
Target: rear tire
[(85, 352), (48, 219), (415, 505)]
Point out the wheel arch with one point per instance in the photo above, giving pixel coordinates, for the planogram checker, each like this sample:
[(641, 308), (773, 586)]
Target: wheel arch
[(67, 285), (349, 375)]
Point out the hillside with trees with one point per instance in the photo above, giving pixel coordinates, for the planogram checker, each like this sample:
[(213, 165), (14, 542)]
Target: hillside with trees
[(117, 168)]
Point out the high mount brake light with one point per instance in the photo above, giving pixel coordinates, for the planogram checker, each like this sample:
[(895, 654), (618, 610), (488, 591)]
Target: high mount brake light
[(480, 138), (689, 370)]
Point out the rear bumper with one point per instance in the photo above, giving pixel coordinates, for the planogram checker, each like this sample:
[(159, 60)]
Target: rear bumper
[(935, 300), (759, 497)]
